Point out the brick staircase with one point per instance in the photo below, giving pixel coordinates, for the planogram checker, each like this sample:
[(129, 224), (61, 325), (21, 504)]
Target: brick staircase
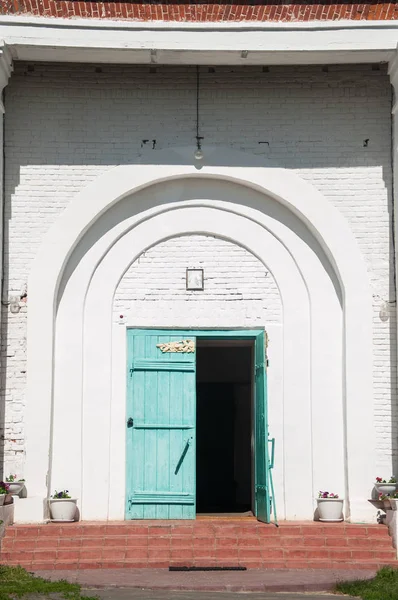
[(216, 542)]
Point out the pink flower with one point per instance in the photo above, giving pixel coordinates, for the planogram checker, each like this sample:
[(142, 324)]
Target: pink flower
[(327, 495)]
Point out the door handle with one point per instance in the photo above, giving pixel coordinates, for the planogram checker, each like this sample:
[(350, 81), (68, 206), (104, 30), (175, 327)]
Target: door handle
[(271, 462), (130, 422), (186, 448)]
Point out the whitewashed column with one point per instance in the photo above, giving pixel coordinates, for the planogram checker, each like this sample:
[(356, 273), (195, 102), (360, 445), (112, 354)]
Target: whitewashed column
[(393, 72), (5, 72)]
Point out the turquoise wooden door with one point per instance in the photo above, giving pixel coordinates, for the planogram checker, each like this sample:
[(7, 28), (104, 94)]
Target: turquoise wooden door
[(261, 460), (161, 414)]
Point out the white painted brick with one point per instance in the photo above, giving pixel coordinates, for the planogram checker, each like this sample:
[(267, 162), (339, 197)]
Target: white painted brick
[(65, 125), (156, 284)]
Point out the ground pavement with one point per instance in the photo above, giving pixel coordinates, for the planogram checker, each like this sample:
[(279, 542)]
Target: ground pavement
[(134, 594), (252, 580)]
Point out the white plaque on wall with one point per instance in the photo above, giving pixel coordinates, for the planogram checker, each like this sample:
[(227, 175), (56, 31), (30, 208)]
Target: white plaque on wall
[(195, 279)]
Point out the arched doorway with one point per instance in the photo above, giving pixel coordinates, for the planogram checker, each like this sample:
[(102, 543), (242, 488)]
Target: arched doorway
[(312, 353)]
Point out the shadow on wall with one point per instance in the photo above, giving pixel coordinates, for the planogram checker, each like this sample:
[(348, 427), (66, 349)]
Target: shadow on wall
[(4, 362), (12, 372), (302, 117)]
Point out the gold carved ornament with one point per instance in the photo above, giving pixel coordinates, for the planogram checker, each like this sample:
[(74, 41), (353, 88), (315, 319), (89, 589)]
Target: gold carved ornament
[(184, 346)]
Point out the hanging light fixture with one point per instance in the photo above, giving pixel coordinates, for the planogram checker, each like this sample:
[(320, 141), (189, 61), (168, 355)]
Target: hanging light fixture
[(198, 152)]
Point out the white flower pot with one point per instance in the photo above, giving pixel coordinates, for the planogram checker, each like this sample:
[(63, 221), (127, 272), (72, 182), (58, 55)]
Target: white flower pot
[(16, 487), (385, 488), (330, 509), (63, 509), (2, 498)]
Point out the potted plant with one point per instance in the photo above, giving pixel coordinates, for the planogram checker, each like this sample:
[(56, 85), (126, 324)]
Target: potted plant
[(386, 500), (3, 491), (386, 487), (390, 501), (15, 485), (330, 507), (62, 506)]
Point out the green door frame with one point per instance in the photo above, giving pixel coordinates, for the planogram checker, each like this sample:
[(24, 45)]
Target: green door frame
[(259, 336)]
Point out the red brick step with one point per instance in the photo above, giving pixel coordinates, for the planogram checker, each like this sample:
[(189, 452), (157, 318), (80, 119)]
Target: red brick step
[(160, 544)]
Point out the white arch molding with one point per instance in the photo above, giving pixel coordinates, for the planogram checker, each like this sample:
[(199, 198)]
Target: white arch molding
[(285, 418), (324, 222)]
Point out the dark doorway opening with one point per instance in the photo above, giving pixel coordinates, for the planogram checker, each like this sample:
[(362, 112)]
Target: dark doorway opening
[(224, 418)]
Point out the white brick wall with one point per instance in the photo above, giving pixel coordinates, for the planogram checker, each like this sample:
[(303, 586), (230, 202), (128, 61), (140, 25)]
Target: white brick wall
[(237, 287), (67, 124)]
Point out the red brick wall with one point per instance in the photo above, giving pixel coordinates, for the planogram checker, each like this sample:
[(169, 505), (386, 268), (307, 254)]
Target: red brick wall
[(206, 10)]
